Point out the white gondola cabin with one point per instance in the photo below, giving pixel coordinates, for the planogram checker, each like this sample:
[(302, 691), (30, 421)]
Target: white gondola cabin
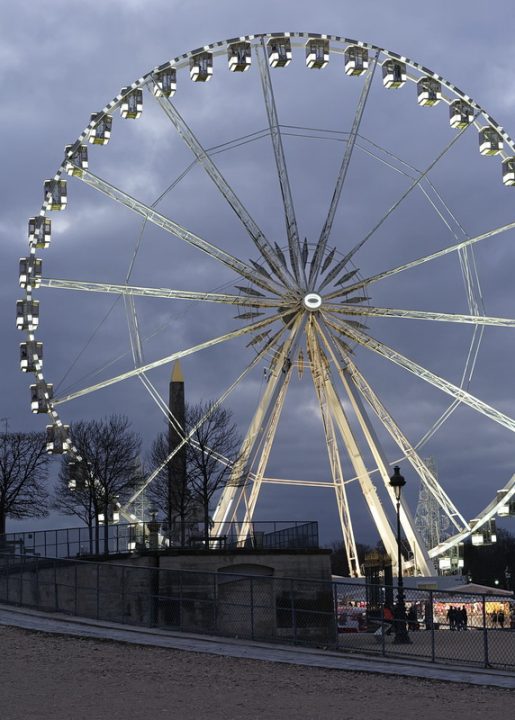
[(461, 114), (78, 161), (317, 53), (239, 57), (508, 507), (429, 91), (356, 60), (30, 272), (100, 131), (484, 535), (165, 82), (201, 67), (490, 142), (57, 439), (31, 356), (56, 194), (27, 314), (279, 51), (508, 172), (113, 514), (40, 396), (40, 231), (394, 74), (131, 106), (77, 475)]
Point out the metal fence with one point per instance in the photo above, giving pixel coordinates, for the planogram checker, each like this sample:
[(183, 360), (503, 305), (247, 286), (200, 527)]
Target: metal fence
[(346, 617), (134, 538)]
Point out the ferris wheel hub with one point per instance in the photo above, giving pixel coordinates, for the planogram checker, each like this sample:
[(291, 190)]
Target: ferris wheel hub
[(312, 301)]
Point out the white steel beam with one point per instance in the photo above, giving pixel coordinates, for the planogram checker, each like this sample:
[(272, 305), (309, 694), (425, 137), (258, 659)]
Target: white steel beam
[(368, 311)]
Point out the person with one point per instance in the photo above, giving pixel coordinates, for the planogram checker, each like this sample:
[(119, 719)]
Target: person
[(451, 617), (494, 618), (412, 618), (463, 618), (500, 618), (387, 619)]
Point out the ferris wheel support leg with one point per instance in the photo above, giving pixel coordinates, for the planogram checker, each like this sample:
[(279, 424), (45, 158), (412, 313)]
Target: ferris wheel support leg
[(250, 499), (240, 476), (317, 374), (367, 486)]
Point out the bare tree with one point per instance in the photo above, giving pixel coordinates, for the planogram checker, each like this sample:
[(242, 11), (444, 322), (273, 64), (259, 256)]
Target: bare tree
[(23, 474), (110, 469), (216, 437), (170, 491)]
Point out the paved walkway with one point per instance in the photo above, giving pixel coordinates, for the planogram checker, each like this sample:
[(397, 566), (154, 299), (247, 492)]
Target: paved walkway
[(228, 647)]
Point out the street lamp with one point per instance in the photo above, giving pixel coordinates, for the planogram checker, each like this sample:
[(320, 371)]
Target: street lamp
[(397, 482)]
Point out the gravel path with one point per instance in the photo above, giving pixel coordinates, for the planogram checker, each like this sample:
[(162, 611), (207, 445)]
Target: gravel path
[(49, 677)]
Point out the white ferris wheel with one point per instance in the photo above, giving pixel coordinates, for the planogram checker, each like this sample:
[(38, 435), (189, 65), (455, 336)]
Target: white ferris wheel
[(333, 285)]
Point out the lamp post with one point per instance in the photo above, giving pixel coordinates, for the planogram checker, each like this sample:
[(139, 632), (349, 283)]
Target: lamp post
[(397, 482)]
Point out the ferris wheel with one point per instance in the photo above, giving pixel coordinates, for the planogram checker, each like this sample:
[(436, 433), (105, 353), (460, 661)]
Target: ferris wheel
[(316, 310)]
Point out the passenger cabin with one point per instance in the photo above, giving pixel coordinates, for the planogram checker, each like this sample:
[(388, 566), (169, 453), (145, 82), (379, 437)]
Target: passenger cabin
[(76, 163), (131, 106), (490, 142), (394, 74), (461, 114), (55, 194), (40, 395), (485, 535), (239, 57), (429, 92), (113, 515), (27, 314), (279, 52), (508, 508), (100, 131), (31, 356), (40, 230), (57, 439), (165, 82), (201, 67), (317, 53), (30, 272), (508, 172), (356, 60), (77, 475)]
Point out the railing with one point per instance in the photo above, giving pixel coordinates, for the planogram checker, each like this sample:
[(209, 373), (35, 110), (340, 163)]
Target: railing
[(347, 617), (131, 538)]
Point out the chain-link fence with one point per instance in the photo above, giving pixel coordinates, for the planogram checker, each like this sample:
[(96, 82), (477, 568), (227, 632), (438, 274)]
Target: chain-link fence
[(351, 617)]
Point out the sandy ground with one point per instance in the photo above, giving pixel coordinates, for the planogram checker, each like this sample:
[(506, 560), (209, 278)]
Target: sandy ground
[(52, 677)]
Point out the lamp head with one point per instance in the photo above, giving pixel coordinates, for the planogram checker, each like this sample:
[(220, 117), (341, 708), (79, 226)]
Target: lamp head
[(397, 482)]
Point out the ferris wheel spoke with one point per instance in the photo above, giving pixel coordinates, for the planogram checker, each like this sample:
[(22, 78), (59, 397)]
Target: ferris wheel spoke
[(189, 438), (170, 358), (349, 147), (133, 290), (420, 261), (424, 374), (177, 230), (280, 161), (259, 239), (405, 194), (368, 311)]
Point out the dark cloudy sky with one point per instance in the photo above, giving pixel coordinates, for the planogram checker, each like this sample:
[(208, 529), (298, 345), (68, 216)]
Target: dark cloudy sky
[(62, 60)]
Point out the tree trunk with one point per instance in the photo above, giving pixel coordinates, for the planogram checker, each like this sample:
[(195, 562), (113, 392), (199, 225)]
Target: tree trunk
[(206, 522), (97, 536), (2, 520)]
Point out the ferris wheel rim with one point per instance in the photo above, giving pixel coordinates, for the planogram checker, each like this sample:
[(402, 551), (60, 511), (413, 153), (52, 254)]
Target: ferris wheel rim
[(219, 48)]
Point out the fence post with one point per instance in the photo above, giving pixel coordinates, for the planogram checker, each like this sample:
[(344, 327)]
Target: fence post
[(383, 628), (433, 652), (8, 570), (22, 570), (180, 599), (335, 603), (67, 542), (485, 634), (98, 590), (252, 608), (56, 594), (293, 613), (215, 601), (123, 593), (75, 589)]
